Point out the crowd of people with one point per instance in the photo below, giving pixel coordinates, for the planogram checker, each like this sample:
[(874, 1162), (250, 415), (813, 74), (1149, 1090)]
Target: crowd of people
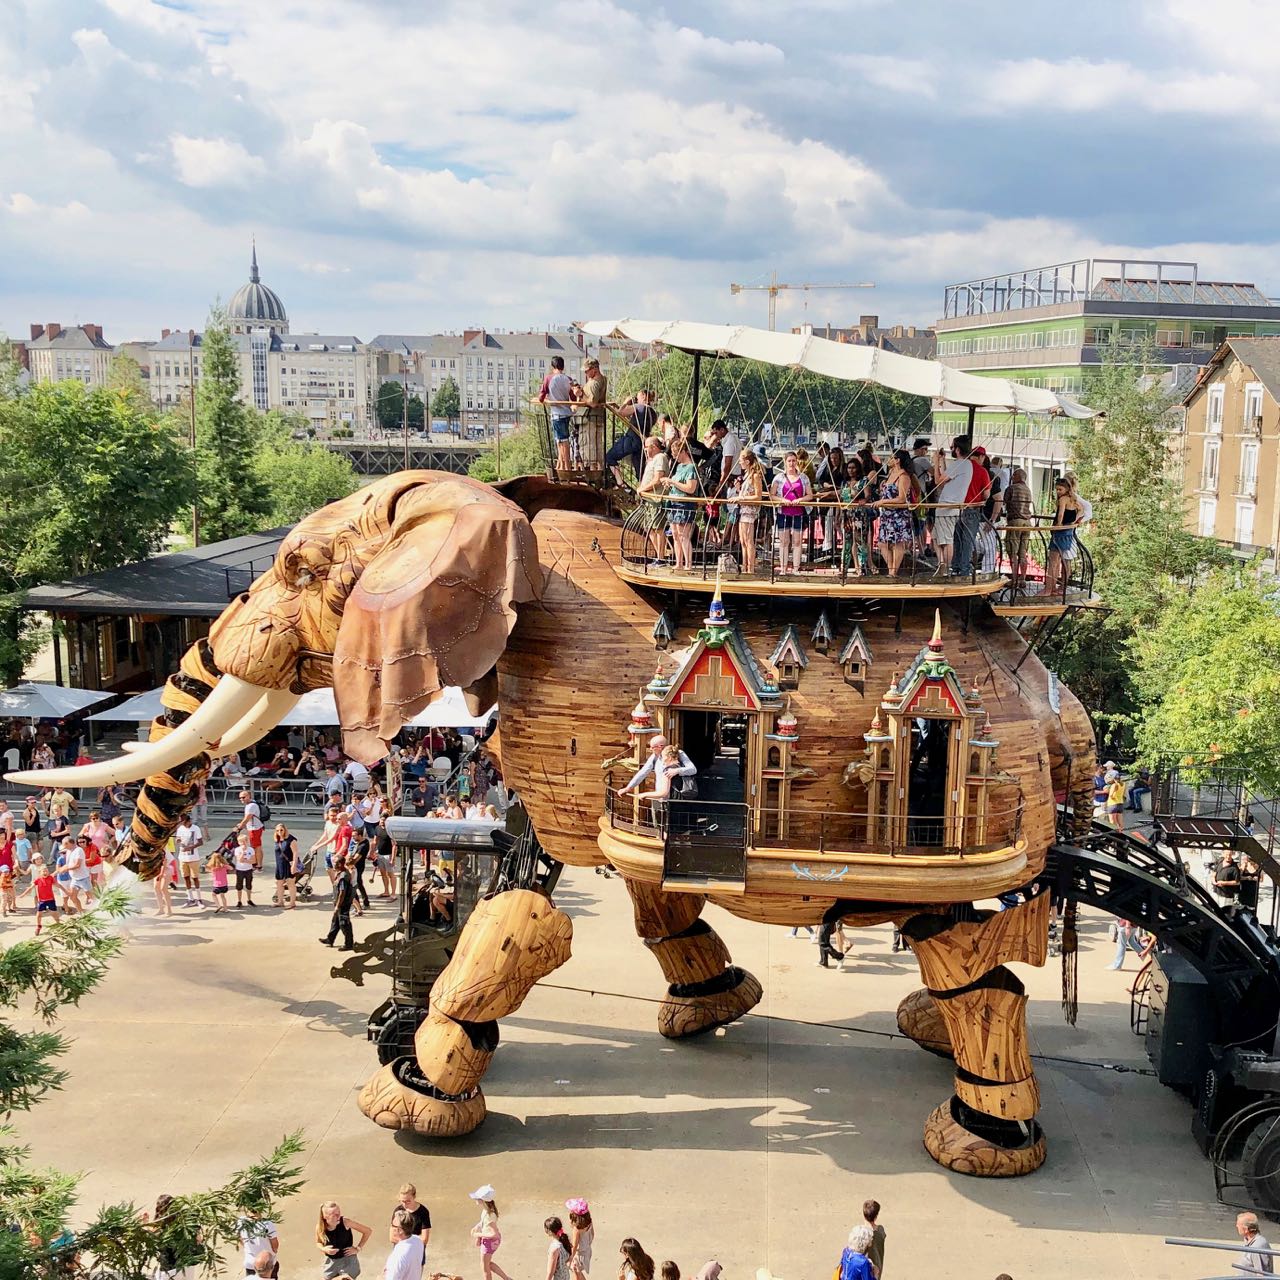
[(568, 1245), (942, 511)]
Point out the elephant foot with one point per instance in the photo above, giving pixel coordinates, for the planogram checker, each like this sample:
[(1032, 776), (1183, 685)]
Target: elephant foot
[(920, 1019), (695, 1007), (968, 1141), (398, 1096)]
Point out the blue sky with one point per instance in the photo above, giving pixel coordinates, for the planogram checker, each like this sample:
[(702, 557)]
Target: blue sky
[(408, 167)]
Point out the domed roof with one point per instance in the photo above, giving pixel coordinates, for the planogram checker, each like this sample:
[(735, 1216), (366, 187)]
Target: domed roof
[(254, 304)]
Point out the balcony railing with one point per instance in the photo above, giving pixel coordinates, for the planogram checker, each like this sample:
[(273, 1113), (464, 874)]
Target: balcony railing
[(1247, 486), (820, 830), (1208, 482), (846, 542)]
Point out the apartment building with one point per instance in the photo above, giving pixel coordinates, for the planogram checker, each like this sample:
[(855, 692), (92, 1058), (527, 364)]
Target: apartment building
[(78, 352), (1232, 448), (1048, 327)]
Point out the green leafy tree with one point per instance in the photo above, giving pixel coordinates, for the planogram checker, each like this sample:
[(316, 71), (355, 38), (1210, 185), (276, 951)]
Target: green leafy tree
[(417, 413), (91, 480), (749, 393), (300, 476), (389, 406), (125, 375), (233, 496), (1209, 676), (39, 977), (521, 455), (447, 402), (1143, 556)]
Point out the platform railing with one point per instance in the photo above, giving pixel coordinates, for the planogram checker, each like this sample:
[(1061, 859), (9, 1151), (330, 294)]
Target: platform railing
[(823, 831)]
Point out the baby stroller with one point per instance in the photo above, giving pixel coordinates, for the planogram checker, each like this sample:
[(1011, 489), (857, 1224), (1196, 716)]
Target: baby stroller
[(302, 883)]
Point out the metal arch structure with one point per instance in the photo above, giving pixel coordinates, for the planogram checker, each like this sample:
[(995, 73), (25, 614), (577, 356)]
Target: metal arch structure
[(1135, 881), (386, 457)]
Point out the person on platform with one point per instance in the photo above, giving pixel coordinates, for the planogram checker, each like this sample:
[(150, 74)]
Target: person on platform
[(591, 397), (683, 482), (658, 745), (750, 494), (1062, 541), (1254, 1258), (557, 394), (629, 446), (898, 496), (854, 1262), (343, 896), (1019, 508), (791, 488), (951, 477)]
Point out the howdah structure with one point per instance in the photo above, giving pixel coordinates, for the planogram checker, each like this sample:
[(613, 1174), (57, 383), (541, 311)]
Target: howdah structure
[(868, 749)]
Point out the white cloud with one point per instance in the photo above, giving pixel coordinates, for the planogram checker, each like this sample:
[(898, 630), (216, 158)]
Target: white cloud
[(213, 162)]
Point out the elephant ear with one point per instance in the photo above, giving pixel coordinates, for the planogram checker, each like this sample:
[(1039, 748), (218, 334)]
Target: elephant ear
[(433, 608)]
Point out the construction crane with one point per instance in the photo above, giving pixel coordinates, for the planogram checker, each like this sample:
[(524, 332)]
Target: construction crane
[(775, 288)]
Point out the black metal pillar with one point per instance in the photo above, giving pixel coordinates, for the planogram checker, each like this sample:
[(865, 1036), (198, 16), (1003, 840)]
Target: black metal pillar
[(697, 391)]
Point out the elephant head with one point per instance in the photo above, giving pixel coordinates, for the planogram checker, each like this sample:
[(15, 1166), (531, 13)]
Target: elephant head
[(389, 595)]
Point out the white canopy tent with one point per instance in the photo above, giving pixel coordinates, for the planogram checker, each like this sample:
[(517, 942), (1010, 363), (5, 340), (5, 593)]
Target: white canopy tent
[(448, 711), (36, 700), (851, 362), (141, 707)]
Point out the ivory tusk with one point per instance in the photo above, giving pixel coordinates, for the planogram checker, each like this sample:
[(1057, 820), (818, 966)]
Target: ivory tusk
[(230, 702), (271, 708)]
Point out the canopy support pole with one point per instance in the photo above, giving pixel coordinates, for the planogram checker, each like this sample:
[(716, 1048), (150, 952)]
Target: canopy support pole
[(973, 413), (697, 387)]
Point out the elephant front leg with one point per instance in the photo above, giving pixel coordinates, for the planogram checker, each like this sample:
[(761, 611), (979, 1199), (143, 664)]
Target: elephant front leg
[(706, 989), (511, 941), (988, 1128)]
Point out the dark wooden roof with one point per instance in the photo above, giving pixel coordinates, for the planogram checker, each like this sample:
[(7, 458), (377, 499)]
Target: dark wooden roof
[(196, 583)]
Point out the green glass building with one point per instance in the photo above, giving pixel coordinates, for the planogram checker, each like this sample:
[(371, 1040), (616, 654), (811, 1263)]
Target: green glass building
[(1045, 327)]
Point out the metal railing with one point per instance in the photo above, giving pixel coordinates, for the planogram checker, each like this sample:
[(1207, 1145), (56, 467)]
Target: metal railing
[(827, 832), (845, 541)]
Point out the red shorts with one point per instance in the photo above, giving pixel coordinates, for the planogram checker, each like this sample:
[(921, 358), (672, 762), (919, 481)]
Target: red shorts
[(255, 838)]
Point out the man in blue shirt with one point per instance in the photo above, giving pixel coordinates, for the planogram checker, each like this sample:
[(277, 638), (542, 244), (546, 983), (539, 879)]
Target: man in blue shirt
[(854, 1263)]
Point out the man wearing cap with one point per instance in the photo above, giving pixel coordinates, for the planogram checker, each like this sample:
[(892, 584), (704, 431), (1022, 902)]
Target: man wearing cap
[(591, 397), (629, 446)]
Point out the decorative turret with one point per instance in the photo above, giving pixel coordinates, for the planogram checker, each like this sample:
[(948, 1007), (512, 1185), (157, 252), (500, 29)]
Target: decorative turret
[(821, 634), (664, 630), (788, 658), (855, 658)]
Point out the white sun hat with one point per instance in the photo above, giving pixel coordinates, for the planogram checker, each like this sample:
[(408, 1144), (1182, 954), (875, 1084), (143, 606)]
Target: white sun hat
[(483, 1193)]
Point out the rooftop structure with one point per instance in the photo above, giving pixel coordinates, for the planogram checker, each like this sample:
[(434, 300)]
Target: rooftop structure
[(255, 306), (1048, 326), (906, 339)]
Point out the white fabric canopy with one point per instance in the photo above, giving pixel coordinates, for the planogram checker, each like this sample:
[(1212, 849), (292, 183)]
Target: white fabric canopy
[(449, 711), (852, 362), (141, 707), (36, 700)]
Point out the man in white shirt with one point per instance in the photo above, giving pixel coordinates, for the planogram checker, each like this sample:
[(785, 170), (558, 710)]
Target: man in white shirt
[(251, 823), (951, 480), (657, 745), (259, 1235), (1255, 1259), (187, 840), (359, 776), (407, 1256)]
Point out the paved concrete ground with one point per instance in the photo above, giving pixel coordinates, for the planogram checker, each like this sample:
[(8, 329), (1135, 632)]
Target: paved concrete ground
[(212, 1037)]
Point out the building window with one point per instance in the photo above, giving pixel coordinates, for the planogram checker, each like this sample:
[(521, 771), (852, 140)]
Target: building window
[(1170, 338), (1208, 516), (1213, 412), (1209, 471), (1244, 523), (1197, 337), (1253, 409), (1247, 484)]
